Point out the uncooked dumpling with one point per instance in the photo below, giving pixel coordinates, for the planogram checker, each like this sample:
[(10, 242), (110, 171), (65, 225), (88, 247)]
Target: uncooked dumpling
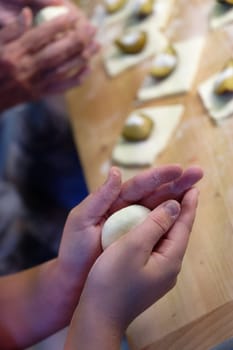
[(224, 81), (164, 63), (138, 127), (132, 42), (122, 222)]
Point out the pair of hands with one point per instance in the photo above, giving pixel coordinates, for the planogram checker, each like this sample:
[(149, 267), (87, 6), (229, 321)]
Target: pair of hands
[(48, 59), (143, 265)]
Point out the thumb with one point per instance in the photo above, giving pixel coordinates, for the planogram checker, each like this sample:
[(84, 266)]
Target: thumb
[(96, 205), (156, 225)]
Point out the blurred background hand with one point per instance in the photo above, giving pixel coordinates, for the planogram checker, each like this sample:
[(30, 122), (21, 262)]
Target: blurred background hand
[(42, 60)]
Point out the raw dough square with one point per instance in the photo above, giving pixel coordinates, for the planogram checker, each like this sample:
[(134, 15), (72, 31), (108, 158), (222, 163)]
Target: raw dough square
[(143, 153), (221, 15), (219, 107), (117, 62), (163, 11), (181, 80)]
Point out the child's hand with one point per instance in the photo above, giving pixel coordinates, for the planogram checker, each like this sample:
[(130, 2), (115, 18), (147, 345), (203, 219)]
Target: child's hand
[(81, 242), (155, 186), (140, 267)]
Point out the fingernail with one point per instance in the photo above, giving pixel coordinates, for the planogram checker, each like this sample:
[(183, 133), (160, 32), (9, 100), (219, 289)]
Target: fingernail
[(173, 208), (112, 172)]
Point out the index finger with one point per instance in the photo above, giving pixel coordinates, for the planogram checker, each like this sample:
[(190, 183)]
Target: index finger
[(144, 184), (175, 189)]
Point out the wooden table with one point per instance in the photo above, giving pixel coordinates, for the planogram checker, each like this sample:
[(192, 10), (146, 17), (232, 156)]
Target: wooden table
[(198, 313)]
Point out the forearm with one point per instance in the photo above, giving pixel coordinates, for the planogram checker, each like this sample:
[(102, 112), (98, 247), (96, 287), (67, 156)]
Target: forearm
[(35, 304), (92, 330)]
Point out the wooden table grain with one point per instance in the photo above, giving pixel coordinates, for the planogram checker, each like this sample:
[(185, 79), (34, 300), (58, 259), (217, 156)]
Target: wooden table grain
[(198, 313)]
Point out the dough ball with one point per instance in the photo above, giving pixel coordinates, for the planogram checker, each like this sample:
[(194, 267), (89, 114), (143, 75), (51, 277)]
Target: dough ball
[(132, 42), (50, 12), (121, 222)]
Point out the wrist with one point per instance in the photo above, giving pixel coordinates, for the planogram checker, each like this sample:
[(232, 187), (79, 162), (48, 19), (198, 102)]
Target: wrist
[(67, 289), (68, 281), (92, 328)]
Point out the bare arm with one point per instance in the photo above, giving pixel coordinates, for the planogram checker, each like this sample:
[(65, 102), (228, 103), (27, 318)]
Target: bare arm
[(35, 304)]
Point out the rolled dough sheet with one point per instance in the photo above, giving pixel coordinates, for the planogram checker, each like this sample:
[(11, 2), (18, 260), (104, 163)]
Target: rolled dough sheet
[(221, 16), (162, 13), (218, 107), (181, 80), (117, 62), (143, 153)]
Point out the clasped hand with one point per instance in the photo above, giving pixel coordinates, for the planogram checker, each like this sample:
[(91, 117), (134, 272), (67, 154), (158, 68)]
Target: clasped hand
[(143, 265), (48, 59)]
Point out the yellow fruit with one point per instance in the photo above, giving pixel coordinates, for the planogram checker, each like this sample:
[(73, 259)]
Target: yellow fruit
[(224, 82), (146, 8), (227, 2), (113, 6), (132, 42), (164, 64), (138, 127)]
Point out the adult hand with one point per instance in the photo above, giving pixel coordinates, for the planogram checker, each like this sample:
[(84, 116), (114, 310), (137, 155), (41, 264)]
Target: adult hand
[(47, 59)]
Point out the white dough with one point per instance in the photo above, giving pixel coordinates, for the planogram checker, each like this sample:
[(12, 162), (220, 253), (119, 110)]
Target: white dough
[(143, 153), (225, 74), (221, 16), (49, 13), (165, 60), (218, 107), (163, 11), (130, 37), (181, 79), (134, 119), (122, 222), (116, 62)]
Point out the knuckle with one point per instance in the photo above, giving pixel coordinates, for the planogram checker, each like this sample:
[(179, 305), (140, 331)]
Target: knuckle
[(162, 221)]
